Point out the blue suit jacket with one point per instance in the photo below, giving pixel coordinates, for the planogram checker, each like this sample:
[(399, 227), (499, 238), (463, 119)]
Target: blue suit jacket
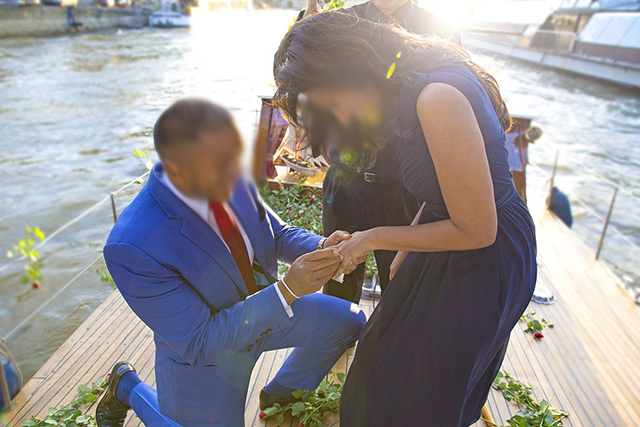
[(178, 276)]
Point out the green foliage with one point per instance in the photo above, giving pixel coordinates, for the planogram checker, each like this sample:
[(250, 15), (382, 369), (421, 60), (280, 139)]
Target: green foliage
[(144, 156), (105, 277), (26, 249), (535, 326), (335, 4), (531, 413), (312, 406), (371, 267), (70, 415), (297, 205)]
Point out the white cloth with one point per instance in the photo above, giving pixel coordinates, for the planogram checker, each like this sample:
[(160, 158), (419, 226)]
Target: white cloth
[(201, 208)]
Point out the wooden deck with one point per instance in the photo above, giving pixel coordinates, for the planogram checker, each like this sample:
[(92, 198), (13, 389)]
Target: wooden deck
[(589, 364)]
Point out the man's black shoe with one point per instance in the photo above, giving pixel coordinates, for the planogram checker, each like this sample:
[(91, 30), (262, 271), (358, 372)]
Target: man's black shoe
[(111, 412), (267, 401)]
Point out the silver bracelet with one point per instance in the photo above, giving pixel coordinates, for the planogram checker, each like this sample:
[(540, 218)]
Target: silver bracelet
[(289, 289), (320, 244)]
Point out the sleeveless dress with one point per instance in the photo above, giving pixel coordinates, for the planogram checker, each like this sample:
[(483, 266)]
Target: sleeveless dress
[(436, 340)]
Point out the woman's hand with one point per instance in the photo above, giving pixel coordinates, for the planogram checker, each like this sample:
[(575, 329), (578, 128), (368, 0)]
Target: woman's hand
[(397, 262), (335, 238), (354, 251)]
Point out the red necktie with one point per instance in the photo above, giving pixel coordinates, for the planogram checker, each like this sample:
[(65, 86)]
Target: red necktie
[(233, 238)]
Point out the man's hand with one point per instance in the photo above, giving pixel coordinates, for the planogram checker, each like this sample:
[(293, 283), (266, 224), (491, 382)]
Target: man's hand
[(335, 238), (310, 272)]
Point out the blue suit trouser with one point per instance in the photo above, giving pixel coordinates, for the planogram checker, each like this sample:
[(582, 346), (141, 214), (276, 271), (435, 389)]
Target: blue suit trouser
[(322, 328)]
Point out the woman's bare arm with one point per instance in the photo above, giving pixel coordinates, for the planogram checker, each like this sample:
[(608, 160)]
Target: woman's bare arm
[(457, 149)]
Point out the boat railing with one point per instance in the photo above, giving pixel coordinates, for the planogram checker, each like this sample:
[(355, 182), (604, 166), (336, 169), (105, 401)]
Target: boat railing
[(616, 190), (547, 40), (111, 199)]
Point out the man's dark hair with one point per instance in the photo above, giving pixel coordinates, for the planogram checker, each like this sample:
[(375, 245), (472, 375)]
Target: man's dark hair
[(187, 119)]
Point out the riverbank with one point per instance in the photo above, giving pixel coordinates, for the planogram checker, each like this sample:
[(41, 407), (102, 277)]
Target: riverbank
[(39, 21)]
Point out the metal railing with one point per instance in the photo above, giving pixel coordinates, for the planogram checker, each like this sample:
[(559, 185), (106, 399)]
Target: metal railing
[(606, 219), (4, 387)]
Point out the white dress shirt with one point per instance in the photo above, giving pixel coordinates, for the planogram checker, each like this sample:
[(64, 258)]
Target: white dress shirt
[(201, 207)]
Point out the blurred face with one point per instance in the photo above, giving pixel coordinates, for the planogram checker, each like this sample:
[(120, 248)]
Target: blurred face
[(361, 107), (208, 168), (388, 6)]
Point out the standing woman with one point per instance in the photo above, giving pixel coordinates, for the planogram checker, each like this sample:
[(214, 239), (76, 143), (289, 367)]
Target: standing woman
[(436, 340)]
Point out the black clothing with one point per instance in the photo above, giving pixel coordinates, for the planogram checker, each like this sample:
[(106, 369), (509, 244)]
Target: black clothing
[(357, 201)]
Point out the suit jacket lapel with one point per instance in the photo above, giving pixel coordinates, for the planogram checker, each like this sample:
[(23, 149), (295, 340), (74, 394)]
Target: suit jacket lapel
[(200, 233), (195, 228)]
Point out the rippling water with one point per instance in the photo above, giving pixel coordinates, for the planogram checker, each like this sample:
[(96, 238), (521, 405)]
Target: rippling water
[(72, 109)]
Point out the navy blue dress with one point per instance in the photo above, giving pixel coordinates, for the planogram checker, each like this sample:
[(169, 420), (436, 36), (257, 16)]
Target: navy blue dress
[(437, 338)]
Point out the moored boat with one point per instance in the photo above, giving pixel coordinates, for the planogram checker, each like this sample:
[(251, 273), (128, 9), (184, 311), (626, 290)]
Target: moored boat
[(169, 19), (599, 39)]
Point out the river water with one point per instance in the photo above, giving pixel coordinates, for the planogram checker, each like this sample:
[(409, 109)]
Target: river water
[(73, 108)]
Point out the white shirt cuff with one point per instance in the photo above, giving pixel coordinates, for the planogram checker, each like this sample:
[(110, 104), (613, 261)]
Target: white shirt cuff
[(285, 305)]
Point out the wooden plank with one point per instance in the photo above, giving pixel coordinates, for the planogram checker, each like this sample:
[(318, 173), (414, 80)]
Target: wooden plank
[(589, 363)]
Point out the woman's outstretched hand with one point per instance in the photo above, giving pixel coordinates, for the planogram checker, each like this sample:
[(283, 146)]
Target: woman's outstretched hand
[(354, 252), (335, 238)]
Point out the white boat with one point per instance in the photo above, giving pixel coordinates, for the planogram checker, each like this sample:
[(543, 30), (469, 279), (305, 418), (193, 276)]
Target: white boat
[(599, 38), (169, 19)]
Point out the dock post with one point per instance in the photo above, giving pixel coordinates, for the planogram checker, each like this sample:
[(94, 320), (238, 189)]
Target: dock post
[(4, 390), (113, 209), (606, 222), (553, 178)]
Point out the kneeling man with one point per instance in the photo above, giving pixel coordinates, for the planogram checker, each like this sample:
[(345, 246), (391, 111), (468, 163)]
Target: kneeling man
[(195, 256)]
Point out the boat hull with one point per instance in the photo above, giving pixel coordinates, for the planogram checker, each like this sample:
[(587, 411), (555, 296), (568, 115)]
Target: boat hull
[(172, 21), (628, 75)]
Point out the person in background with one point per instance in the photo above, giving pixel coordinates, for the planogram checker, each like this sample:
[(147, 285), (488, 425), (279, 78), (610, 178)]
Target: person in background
[(195, 257), (356, 199)]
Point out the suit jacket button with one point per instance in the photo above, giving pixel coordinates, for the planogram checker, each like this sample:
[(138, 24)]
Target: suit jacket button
[(263, 334), (268, 331), (250, 347)]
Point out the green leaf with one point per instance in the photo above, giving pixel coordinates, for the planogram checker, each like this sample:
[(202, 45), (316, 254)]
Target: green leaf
[(280, 419), (341, 377), (38, 233), (271, 411), (297, 408)]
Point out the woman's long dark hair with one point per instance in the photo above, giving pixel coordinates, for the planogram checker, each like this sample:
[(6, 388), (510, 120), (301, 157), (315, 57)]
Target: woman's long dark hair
[(339, 49)]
